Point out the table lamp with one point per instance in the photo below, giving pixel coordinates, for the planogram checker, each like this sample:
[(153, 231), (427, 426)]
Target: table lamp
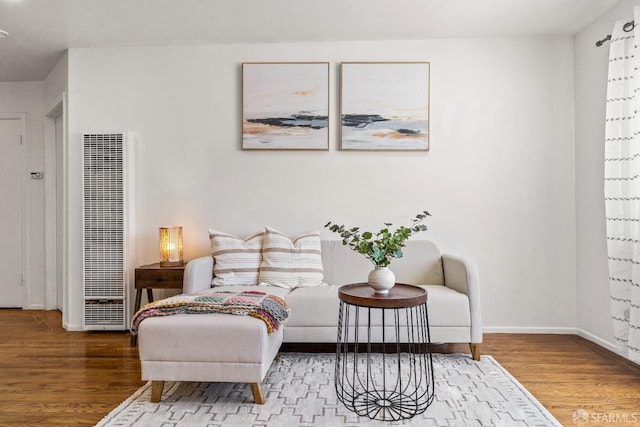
[(171, 247)]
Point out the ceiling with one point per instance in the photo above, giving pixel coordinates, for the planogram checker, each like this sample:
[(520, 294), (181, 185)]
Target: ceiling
[(41, 30)]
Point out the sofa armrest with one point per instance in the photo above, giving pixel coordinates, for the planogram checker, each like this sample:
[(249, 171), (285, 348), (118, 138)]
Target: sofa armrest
[(198, 275), (462, 275)]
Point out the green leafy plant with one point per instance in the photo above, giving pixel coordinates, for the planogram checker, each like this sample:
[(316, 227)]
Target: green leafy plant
[(382, 246)]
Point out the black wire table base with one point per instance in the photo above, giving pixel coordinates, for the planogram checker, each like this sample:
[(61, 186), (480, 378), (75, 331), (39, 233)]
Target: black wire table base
[(384, 373), (384, 406)]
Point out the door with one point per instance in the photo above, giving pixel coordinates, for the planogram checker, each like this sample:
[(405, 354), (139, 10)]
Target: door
[(10, 213)]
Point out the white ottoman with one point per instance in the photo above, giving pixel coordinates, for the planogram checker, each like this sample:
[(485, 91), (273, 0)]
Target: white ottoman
[(206, 347)]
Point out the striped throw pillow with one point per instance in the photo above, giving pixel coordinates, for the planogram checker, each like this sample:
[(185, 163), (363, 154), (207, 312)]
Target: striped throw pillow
[(236, 261), (291, 264)]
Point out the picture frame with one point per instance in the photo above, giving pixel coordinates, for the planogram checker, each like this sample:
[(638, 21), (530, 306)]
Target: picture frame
[(285, 106), (384, 106)]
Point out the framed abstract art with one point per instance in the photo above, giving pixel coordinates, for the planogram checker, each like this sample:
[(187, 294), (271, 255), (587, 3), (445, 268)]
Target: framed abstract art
[(285, 106), (384, 106)]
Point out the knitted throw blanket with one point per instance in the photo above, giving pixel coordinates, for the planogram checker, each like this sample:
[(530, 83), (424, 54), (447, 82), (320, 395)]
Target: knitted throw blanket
[(268, 308)]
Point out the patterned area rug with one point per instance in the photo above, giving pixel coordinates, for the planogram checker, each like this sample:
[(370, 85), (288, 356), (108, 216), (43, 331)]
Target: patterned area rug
[(299, 391)]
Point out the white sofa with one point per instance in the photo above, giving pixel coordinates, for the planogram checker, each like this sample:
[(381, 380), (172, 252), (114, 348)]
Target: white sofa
[(220, 347), (452, 285)]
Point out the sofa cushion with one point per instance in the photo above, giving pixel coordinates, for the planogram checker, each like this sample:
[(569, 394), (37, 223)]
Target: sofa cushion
[(237, 261), (447, 307), (313, 307), (291, 264), (316, 306)]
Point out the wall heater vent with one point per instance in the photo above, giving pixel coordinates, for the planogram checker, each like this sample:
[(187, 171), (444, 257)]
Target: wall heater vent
[(107, 230), (104, 314)]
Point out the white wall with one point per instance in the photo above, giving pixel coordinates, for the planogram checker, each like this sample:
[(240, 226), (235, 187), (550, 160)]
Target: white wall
[(56, 82), (34, 99), (498, 179), (27, 97), (591, 62)]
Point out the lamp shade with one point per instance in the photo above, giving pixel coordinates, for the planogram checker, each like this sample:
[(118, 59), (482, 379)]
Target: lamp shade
[(171, 246)]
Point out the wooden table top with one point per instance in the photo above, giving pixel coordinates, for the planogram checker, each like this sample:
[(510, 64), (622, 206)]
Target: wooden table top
[(157, 266), (400, 296)]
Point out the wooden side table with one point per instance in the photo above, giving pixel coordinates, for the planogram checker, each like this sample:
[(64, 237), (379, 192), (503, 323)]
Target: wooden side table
[(151, 277), (398, 383)]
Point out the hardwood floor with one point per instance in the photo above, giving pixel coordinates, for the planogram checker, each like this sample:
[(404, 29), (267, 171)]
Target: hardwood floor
[(52, 377)]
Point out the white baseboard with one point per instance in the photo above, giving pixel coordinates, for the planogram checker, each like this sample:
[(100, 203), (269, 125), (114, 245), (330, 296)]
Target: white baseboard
[(563, 331), (594, 339), (72, 328), (528, 330), (34, 307)]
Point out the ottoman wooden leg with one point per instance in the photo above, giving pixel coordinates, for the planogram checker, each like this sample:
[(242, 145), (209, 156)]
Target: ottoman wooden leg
[(256, 389), (156, 391)]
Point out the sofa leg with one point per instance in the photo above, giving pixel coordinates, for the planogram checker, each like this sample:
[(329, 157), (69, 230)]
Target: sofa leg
[(156, 391), (256, 389), (475, 351)]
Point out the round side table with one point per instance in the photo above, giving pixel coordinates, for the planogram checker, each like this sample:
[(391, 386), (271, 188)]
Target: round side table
[(384, 367)]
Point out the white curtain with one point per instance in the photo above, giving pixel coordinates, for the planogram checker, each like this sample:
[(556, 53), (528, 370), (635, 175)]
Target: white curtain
[(622, 185)]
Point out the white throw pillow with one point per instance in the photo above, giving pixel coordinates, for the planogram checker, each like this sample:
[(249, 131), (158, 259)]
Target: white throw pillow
[(291, 264), (236, 261)]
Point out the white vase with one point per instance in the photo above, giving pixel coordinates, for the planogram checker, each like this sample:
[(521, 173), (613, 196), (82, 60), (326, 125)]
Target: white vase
[(381, 279)]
